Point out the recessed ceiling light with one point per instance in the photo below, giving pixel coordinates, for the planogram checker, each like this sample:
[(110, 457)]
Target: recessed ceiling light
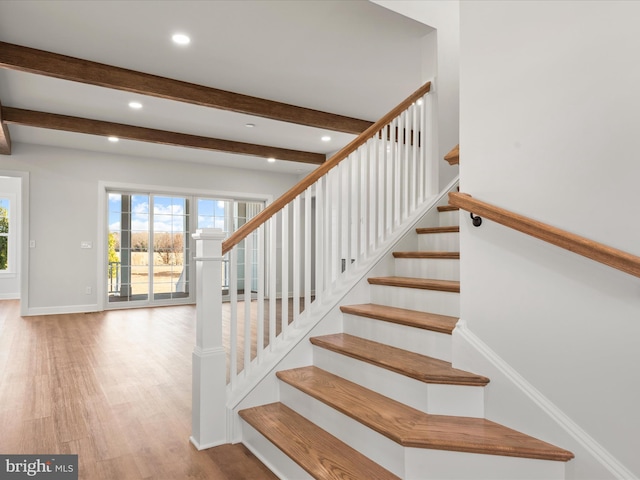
[(135, 105), (326, 138), (181, 39), (271, 160), (249, 125), (113, 139)]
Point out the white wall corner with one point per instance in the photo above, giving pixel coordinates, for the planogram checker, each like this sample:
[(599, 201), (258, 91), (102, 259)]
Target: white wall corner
[(511, 400)]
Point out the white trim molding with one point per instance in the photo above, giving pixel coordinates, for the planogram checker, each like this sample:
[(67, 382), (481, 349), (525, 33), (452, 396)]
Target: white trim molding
[(580, 436)]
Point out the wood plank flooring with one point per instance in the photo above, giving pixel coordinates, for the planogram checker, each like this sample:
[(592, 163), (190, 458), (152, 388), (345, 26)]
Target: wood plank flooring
[(113, 387)]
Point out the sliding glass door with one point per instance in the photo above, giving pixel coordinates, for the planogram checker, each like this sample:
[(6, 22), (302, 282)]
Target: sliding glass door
[(149, 243), (148, 248)]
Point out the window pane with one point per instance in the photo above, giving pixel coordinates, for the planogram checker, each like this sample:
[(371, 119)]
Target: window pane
[(140, 204), (206, 207), (4, 253), (4, 233)]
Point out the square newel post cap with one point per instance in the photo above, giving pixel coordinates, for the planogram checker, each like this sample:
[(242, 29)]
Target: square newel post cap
[(209, 234)]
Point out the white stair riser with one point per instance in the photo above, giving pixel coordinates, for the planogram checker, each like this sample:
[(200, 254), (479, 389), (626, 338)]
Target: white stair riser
[(422, 464), (444, 303), (418, 340), (439, 242), (279, 463), (429, 398), (380, 449), (440, 268), (417, 463), (449, 219)]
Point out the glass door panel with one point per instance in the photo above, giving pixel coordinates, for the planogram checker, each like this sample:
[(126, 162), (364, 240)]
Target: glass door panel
[(128, 240), (170, 247), (148, 248)]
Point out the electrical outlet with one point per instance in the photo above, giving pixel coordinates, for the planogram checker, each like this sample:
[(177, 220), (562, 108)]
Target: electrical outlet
[(87, 290)]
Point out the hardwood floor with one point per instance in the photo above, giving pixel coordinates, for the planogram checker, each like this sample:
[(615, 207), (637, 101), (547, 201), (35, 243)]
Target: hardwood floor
[(113, 387)]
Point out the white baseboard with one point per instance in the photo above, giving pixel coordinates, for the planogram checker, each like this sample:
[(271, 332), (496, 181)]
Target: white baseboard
[(204, 446), (10, 296), (62, 309), (599, 454)]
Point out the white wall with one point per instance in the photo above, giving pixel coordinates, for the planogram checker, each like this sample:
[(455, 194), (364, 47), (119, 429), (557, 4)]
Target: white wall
[(441, 60), (10, 282), (64, 211), (548, 128)]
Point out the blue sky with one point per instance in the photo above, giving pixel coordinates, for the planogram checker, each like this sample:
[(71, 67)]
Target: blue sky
[(168, 213)]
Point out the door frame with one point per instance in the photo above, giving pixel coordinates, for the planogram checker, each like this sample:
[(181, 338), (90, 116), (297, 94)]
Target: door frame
[(22, 237)]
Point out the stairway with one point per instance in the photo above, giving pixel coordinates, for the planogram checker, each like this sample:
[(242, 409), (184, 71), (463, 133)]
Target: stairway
[(382, 399)]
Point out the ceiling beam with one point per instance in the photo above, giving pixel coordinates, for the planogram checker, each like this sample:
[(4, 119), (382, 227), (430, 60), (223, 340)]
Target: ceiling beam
[(5, 138), (25, 59), (67, 123)]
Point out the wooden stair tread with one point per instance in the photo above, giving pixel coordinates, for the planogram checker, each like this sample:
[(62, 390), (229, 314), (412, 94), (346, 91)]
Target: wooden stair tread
[(410, 364), (412, 428), (427, 230), (448, 208), (435, 255), (412, 318), (319, 453), (421, 283)]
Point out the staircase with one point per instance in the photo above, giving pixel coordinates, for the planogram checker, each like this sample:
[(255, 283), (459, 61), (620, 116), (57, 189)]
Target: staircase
[(382, 399)]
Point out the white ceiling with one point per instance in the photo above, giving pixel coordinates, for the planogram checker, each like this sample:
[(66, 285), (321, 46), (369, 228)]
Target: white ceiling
[(350, 57)]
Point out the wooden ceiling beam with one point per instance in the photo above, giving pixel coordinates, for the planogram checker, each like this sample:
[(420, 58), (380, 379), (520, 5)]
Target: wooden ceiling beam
[(67, 123), (5, 138), (25, 59)]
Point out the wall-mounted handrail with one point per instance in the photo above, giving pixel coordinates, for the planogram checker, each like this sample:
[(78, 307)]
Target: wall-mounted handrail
[(319, 172), (599, 252)]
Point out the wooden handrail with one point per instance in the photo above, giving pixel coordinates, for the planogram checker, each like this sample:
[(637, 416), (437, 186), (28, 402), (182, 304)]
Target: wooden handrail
[(599, 252), (313, 177)]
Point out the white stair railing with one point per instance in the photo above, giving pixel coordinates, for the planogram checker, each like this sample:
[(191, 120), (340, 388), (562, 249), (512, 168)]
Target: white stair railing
[(295, 255)]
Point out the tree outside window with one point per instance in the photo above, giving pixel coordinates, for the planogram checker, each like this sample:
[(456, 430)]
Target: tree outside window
[(4, 234)]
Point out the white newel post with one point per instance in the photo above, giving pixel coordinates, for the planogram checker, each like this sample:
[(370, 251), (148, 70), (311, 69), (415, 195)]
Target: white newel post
[(209, 382)]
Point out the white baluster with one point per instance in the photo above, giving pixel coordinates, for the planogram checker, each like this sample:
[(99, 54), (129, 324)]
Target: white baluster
[(355, 204), (404, 142), (273, 262), (422, 147), (284, 290), (395, 150), (295, 281), (345, 204), (319, 240), (388, 199), (248, 277), (381, 193), (260, 296), (414, 157), (307, 247), (329, 243), (233, 315)]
